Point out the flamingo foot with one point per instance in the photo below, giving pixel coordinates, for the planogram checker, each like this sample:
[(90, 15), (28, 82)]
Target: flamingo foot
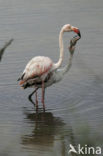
[(30, 97)]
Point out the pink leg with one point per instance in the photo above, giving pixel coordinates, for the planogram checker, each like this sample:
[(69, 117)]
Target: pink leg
[(36, 101), (43, 94)]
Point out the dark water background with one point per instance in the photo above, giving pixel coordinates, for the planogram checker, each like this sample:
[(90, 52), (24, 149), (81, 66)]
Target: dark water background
[(74, 107)]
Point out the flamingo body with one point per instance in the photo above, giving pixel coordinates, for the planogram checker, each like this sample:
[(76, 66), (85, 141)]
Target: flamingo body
[(37, 69)]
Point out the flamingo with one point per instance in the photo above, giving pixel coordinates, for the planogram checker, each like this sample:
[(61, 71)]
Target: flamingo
[(41, 72)]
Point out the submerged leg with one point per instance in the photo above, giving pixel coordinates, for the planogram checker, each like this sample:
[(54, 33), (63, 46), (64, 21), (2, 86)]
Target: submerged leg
[(30, 96), (43, 95), (36, 99)]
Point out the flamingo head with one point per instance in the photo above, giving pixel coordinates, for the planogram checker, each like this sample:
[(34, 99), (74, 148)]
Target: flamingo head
[(68, 28)]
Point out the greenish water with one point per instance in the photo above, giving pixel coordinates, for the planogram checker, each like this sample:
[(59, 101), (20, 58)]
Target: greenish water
[(74, 107)]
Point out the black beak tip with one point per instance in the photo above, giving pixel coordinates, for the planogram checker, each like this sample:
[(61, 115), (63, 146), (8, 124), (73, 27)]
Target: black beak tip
[(79, 34)]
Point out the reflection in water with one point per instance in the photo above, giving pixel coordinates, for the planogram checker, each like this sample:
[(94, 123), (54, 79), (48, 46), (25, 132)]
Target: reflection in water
[(46, 132)]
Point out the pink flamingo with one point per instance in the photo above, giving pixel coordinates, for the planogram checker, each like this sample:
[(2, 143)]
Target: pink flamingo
[(40, 72)]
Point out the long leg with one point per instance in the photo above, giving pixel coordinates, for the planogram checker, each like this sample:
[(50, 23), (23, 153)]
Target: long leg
[(43, 95), (36, 99), (30, 96)]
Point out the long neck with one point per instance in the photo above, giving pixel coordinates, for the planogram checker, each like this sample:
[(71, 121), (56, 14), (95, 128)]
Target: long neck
[(58, 64), (61, 71), (68, 66)]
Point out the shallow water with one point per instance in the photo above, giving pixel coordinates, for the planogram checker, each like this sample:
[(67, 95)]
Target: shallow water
[(74, 107)]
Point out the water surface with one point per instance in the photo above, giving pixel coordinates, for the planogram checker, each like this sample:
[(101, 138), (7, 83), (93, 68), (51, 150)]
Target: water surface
[(74, 107)]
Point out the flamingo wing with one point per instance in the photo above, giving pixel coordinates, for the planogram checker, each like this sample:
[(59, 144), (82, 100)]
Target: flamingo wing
[(38, 67)]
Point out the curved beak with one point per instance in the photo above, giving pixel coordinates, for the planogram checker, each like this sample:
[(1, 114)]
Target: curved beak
[(77, 31), (79, 34)]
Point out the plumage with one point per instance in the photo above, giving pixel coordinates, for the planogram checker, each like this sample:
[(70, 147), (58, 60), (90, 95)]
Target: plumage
[(39, 67)]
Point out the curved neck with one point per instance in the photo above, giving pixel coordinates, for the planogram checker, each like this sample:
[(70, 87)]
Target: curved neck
[(61, 71), (67, 67), (58, 64)]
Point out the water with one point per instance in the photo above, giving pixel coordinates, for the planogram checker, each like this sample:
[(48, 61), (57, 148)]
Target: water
[(74, 107)]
